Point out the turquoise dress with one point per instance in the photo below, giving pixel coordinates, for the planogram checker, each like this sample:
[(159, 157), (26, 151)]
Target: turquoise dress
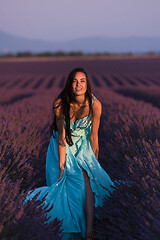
[(68, 195)]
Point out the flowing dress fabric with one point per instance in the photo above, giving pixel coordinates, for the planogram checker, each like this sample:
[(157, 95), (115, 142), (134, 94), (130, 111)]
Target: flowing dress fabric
[(68, 195)]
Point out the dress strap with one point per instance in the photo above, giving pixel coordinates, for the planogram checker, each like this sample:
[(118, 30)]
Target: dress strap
[(93, 99)]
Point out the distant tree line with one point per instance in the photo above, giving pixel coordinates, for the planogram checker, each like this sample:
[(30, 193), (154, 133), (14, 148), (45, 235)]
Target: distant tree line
[(67, 54)]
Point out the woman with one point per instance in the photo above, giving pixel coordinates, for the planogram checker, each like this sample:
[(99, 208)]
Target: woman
[(76, 183)]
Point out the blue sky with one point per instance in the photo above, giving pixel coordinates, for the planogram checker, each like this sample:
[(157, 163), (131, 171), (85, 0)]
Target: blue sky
[(61, 20)]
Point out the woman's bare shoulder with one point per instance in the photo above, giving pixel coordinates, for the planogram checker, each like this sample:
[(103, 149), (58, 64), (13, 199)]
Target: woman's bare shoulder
[(97, 107), (97, 103)]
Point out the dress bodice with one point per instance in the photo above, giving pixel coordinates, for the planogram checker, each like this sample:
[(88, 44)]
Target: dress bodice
[(82, 126)]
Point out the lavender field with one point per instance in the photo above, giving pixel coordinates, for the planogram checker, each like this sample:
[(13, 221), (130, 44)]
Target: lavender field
[(129, 138)]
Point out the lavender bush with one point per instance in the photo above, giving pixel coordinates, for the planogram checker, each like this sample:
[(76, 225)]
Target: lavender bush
[(151, 95), (18, 221), (125, 125), (133, 211), (24, 141), (131, 149), (23, 148)]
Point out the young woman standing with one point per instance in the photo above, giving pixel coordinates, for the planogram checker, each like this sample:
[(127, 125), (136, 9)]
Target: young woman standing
[(76, 183)]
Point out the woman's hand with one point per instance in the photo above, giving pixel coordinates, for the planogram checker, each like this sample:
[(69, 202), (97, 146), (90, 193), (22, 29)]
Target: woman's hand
[(61, 174)]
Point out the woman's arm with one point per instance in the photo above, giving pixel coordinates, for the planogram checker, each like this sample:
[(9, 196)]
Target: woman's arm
[(61, 138), (97, 110)]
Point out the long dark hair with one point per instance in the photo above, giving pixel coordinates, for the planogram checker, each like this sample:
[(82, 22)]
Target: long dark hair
[(66, 97)]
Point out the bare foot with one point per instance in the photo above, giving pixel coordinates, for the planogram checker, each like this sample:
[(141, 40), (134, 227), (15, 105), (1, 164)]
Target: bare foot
[(90, 236)]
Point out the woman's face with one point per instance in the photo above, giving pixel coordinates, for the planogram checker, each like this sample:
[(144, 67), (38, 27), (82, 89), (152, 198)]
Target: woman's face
[(79, 84)]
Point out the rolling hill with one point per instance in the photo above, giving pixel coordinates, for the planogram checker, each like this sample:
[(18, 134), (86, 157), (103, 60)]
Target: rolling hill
[(13, 44)]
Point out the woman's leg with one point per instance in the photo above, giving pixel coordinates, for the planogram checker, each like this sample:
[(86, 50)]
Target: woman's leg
[(89, 205)]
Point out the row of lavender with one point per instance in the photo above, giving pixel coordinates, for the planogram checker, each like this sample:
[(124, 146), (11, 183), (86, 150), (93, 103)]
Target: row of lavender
[(23, 144), (117, 73), (129, 152), (42, 82), (95, 66)]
